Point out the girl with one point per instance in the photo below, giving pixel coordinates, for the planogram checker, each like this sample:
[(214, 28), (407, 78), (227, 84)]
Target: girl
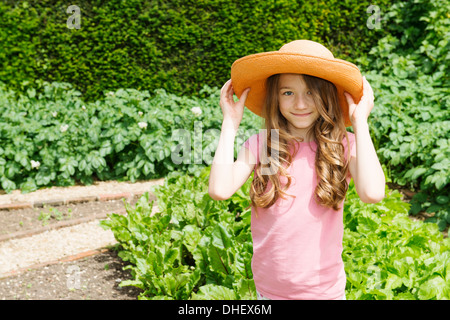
[(302, 93)]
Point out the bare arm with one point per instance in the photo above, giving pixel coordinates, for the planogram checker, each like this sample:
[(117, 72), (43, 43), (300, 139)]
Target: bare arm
[(227, 175), (365, 168)]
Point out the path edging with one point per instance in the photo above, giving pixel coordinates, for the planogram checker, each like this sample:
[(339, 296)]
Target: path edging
[(70, 258), (56, 225), (64, 201)]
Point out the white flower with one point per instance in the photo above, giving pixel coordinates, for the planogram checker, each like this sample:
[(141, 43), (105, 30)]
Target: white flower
[(197, 111), (35, 164), (64, 127), (83, 107), (54, 114), (140, 113), (142, 125), (110, 93)]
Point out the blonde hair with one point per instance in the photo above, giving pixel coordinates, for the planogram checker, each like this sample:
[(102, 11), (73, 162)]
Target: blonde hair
[(328, 132)]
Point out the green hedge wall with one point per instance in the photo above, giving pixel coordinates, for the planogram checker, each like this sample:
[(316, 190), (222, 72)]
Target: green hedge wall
[(175, 45)]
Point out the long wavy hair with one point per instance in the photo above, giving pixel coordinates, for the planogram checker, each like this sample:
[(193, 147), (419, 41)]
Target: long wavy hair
[(328, 133)]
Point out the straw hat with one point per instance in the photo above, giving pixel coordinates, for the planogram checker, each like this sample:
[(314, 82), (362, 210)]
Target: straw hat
[(299, 56)]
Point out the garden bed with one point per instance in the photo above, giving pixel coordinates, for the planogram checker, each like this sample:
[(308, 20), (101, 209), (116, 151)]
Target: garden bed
[(99, 278), (99, 271), (32, 237)]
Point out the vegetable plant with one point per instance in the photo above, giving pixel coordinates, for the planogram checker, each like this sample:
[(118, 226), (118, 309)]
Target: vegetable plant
[(194, 248), (199, 248)]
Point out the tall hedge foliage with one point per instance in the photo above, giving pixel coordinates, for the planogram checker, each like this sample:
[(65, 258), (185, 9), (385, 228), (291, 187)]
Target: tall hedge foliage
[(175, 45)]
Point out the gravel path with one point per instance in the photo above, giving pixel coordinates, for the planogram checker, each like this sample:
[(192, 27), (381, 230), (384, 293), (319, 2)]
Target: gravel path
[(53, 245), (16, 255)]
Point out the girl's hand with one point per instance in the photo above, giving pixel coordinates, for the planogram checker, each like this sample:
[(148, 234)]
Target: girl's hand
[(232, 111), (360, 112)]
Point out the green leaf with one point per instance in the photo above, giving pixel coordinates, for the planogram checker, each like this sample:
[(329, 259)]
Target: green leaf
[(415, 208), (7, 184), (191, 237), (219, 260), (393, 282), (148, 168), (442, 224), (414, 173), (420, 197), (170, 256), (132, 283), (220, 237), (442, 199), (214, 292), (434, 288), (447, 218), (246, 289), (28, 186), (200, 254)]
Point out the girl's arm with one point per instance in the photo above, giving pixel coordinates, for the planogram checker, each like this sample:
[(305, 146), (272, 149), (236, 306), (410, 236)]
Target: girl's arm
[(365, 168), (227, 175)]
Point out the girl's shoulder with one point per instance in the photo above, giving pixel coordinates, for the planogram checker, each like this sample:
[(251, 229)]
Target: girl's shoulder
[(253, 139), (351, 141), (351, 137), (253, 143)]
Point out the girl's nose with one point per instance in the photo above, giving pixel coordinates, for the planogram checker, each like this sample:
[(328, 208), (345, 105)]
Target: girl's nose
[(300, 104)]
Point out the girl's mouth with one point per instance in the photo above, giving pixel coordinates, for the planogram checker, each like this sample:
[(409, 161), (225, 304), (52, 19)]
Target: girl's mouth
[(302, 115)]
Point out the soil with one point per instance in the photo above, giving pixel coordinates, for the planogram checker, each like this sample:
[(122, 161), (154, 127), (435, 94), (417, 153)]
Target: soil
[(94, 276), (21, 220)]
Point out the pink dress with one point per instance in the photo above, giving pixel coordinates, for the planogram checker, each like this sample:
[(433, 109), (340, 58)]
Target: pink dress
[(297, 244)]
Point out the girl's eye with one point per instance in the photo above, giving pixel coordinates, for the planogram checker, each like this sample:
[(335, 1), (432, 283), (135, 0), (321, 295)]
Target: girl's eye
[(309, 93), (288, 93)]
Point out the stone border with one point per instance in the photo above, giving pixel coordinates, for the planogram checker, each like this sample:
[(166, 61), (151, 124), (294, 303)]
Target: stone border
[(66, 223), (55, 226), (74, 257), (63, 201)]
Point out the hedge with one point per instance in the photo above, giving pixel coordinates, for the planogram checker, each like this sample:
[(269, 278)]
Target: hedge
[(175, 45)]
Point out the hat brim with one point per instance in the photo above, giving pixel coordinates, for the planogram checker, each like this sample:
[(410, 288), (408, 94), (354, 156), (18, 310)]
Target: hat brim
[(253, 70)]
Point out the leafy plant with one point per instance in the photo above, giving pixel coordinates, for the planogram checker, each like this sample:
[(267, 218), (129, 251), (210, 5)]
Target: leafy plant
[(437, 206), (53, 213), (198, 248), (410, 122), (194, 248), (388, 255), (55, 138)]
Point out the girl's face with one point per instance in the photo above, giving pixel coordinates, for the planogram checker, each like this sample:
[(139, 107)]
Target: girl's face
[(296, 104)]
